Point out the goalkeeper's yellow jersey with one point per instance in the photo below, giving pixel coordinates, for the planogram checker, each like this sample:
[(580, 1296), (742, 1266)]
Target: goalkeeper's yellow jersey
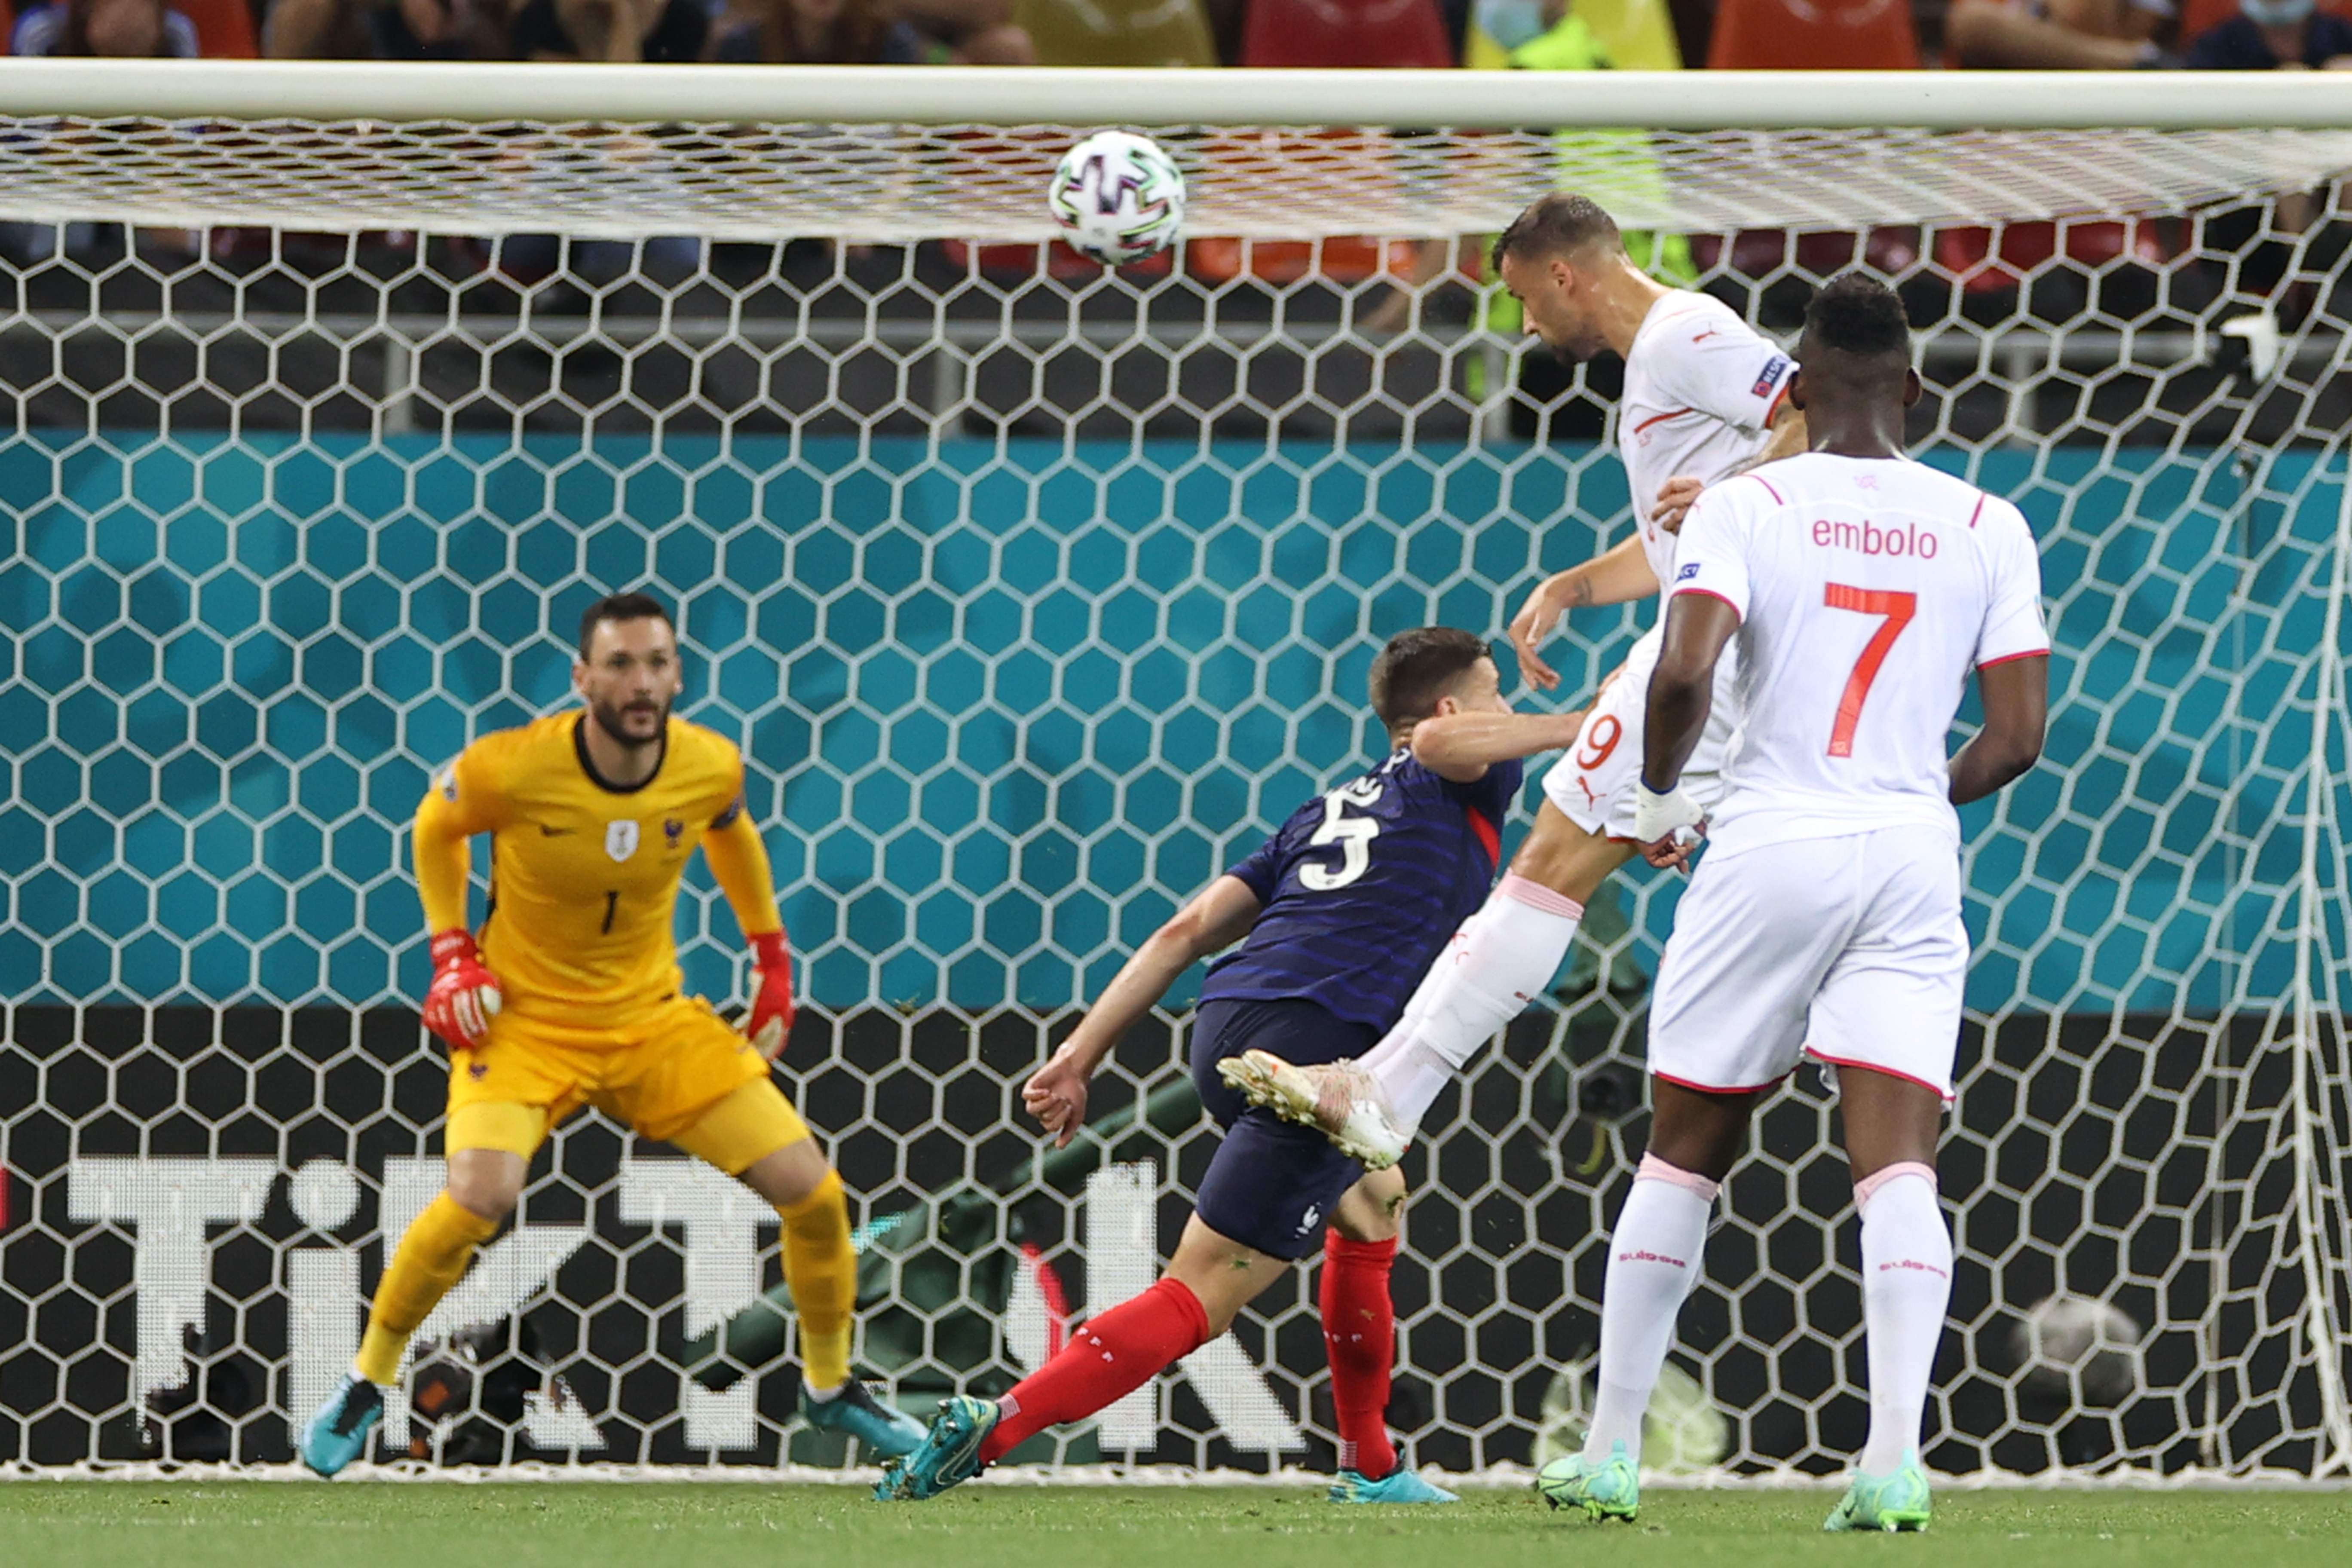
[(583, 874)]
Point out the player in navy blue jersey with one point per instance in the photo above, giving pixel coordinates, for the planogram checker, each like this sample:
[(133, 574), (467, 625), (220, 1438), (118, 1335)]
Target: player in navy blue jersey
[(1341, 911)]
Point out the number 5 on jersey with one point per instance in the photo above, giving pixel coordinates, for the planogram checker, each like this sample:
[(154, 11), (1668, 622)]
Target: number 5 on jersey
[(1353, 834), (1898, 608)]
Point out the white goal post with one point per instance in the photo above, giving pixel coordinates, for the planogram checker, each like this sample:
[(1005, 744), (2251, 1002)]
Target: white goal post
[(1037, 592)]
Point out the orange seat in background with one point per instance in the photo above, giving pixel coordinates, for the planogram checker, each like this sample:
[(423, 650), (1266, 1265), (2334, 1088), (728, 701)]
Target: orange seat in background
[(1368, 34), (224, 29), (1814, 34), (1374, 35)]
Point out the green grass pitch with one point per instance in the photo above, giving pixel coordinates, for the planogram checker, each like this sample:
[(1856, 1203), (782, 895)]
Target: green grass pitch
[(583, 1525)]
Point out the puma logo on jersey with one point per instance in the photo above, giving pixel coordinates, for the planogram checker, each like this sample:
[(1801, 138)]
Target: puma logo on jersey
[(1710, 332)]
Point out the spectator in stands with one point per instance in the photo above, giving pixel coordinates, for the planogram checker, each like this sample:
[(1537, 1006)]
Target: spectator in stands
[(618, 32), (109, 29), (386, 29), (816, 33), (874, 32), (2058, 35), (969, 32), (2275, 35), (438, 29), (115, 29)]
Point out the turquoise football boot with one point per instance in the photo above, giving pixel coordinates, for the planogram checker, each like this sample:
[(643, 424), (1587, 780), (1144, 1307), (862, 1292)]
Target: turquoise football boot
[(1609, 1489), (1400, 1485), (1888, 1502), (338, 1434), (949, 1454), (882, 1432)]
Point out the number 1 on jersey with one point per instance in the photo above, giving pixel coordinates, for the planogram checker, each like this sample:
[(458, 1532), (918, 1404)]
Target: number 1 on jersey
[(1898, 607)]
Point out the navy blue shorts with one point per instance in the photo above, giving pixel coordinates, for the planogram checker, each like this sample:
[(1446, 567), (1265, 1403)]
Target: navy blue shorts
[(1272, 1183)]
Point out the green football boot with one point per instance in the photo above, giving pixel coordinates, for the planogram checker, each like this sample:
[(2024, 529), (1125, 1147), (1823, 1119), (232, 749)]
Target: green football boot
[(1889, 1503), (1609, 1489)]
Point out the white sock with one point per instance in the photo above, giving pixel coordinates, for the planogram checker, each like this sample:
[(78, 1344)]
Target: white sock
[(1653, 1263), (1499, 960), (1906, 1290), (825, 1396)]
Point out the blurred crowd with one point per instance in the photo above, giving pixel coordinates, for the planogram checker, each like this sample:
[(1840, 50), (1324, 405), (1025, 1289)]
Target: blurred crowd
[(1648, 35)]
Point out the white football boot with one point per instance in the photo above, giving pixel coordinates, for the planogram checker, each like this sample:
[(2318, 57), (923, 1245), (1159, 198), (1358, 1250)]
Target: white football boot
[(1339, 1099)]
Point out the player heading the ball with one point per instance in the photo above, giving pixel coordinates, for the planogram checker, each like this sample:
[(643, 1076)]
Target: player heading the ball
[(1705, 397), (1824, 920), (1337, 914), (572, 997)]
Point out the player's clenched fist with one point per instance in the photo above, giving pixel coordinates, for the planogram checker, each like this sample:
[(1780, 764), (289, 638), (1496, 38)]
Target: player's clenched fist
[(1667, 825), (771, 1020), (464, 997)]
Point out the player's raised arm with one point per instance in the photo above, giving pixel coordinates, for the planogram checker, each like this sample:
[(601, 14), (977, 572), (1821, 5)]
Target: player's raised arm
[(463, 995), (1617, 576), (739, 861), (1220, 916), (1462, 746)]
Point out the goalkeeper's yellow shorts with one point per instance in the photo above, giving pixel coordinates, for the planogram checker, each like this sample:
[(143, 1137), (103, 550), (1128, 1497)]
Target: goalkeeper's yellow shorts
[(679, 1073)]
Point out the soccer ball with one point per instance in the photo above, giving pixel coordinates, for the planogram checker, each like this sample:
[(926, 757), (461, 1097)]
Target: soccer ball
[(1117, 196), (2075, 1348)]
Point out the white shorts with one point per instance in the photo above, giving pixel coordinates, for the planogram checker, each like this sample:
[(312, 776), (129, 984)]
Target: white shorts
[(1849, 949), (1593, 784)]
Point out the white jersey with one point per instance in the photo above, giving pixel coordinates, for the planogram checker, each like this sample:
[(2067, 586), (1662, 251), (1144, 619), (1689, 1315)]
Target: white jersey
[(1867, 589), (1700, 389)]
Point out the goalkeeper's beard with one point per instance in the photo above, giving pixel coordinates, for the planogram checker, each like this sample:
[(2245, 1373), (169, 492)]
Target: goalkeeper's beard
[(613, 718)]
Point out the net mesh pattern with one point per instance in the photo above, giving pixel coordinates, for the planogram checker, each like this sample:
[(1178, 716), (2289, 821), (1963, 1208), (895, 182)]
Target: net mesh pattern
[(885, 184), (1037, 594)]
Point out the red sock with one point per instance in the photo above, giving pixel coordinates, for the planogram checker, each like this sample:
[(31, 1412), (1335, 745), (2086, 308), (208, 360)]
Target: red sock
[(1359, 1333), (1109, 1355)]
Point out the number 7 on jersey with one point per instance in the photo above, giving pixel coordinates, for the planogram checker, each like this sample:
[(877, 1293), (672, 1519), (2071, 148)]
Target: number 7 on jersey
[(1898, 607)]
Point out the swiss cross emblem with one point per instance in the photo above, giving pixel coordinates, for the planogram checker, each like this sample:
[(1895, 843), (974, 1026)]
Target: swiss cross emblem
[(621, 839)]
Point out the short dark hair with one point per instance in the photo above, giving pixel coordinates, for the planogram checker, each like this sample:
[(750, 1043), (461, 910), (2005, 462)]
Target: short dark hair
[(1556, 225), (1419, 666), (622, 607), (1856, 314)]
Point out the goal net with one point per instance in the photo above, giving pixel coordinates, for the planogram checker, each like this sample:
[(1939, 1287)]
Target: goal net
[(1036, 594)]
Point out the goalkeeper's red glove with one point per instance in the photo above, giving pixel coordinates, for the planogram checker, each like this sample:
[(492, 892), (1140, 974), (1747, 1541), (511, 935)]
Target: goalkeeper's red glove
[(464, 997), (771, 1018)]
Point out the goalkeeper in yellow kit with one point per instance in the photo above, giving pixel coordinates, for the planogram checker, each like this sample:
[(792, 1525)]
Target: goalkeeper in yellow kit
[(573, 998)]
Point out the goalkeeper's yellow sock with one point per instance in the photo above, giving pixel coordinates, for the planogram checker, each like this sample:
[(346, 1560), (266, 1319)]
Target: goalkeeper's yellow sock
[(821, 1271), (430, 1258)]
